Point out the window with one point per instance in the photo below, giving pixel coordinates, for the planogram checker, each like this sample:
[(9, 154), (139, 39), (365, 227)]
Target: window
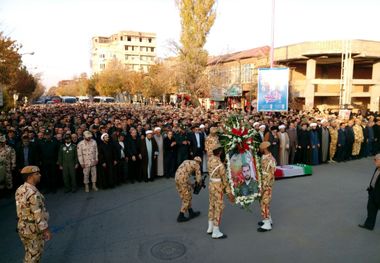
[(102, 56), (102, 66), (133, 48), (121, 38), (129, 38), (140, 39), (147, 49), (246, 73), (141, 48), (150, 40), (152, 49), (126, 47), (126, 57)]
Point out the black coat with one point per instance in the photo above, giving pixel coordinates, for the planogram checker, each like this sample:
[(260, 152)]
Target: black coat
[(303, 138), (32, 155), (350, 136), (194, 145), (133, 146), (375, 192)]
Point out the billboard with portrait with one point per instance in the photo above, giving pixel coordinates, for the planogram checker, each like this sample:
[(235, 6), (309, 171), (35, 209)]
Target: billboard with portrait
[(273, 89)]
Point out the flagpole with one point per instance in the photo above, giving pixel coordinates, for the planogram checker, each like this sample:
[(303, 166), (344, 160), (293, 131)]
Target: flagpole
[(272, 35)]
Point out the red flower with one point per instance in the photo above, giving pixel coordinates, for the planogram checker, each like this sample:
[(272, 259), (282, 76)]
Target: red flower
[(239, 132)]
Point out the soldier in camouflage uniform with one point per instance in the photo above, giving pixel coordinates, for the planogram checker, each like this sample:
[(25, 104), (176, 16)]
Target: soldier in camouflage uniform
[(268, 166), (87, 151), (7, 164), (211, 141), (218, 185), (334, 140), (32, 215), (183, 185), (359, 138)]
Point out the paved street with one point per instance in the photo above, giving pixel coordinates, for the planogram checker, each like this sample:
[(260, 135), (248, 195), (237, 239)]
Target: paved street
[(315, 220)]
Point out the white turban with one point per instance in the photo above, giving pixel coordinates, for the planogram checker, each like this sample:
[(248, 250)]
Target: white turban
[(148, 132), (313, 124), (282, 126), (256, 123), (157, 129), (202, 126), (262, 126), (103, 135)]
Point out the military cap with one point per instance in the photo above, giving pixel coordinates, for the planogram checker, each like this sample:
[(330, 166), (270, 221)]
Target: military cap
[(216, 146), (87, 134), (3, 139), (198, 159), (264, 145), (30, 169)]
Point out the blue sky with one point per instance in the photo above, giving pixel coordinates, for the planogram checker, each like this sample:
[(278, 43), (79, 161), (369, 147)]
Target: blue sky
[(60, 31)]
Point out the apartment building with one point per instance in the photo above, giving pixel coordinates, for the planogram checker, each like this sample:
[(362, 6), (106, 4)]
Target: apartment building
[(137, 50)]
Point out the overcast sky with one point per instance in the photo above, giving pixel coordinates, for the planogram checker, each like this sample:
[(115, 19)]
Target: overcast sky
[(60, 31)]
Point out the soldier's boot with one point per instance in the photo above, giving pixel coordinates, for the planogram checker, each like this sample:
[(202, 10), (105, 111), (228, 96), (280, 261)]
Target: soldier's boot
[(193, 214), (210, 227), (86, 188), (216, 234), (262, 222), (266, 226), (181, 218), (94, 187)]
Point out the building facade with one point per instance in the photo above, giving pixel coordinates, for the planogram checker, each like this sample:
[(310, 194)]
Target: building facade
[(323, 74), (333, 74), (137, 50)]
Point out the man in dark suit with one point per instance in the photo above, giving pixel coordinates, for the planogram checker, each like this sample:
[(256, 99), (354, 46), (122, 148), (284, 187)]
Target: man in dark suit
[(341, 144), (373, 204), (197, 142), (26, 154)]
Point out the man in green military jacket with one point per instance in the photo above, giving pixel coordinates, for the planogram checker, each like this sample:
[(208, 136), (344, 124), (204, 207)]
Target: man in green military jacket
[(68, 162)]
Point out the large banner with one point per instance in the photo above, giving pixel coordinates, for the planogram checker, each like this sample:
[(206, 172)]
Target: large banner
[(273, 89)]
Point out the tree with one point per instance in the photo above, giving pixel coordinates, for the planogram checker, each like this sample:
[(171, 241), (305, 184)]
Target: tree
[(24, 83), (10, 59), (160, 80), (113, 79), (197, 18)]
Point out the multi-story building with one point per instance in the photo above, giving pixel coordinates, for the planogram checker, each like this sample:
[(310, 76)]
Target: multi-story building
[(137, 50), (329, 74), (333, 74)]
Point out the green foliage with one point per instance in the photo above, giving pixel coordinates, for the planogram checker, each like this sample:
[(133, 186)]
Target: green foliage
[(10, 59)]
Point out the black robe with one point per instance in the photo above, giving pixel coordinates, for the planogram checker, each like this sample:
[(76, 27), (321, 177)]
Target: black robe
[(145, 160), (108, 156)]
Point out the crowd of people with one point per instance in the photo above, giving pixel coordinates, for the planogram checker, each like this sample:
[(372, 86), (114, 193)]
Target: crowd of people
[(102, 146)]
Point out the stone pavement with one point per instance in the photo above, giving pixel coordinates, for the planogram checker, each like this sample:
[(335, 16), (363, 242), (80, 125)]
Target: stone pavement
[(315, 220)]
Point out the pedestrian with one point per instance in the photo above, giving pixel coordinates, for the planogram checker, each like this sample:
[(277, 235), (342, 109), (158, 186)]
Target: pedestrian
[(183, 145), (315, 144), (134, 156), (293, 142), (272, 137), (184, 188), (108, 161), (160, 157), (170, 155), (149, 153), (49, 148), (268, 166), (324, 141), (373, 203), (218, 185), (7, 164), (333, 131), (283, 145), (358, 139), (87, 151), (32, 215), (68, 163)]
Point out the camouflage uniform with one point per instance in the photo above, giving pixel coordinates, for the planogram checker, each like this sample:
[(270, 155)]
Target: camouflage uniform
[(334, 141), (32, 221), (218, 185), (7, 164), (210, 143), (359, 138), (88, 159), (182, 183), (268, 165)]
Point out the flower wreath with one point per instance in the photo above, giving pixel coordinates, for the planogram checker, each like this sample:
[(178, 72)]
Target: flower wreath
[(239, 138)]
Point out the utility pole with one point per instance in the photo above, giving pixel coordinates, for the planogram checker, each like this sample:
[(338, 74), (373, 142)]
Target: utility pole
[(272, 35)]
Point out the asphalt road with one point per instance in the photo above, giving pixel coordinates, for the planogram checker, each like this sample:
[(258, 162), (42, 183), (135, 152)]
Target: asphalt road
[(315, 220)]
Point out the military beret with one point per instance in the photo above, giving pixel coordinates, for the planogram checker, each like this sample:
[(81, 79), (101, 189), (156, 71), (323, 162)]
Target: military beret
[(198, 159), (30, 169), (216, 146), (264, 145)]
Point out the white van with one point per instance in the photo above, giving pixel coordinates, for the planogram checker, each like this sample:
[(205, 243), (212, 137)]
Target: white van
[(101, 99)]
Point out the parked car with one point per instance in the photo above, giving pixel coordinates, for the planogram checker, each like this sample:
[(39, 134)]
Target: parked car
[(101, 99), (68, 99)]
